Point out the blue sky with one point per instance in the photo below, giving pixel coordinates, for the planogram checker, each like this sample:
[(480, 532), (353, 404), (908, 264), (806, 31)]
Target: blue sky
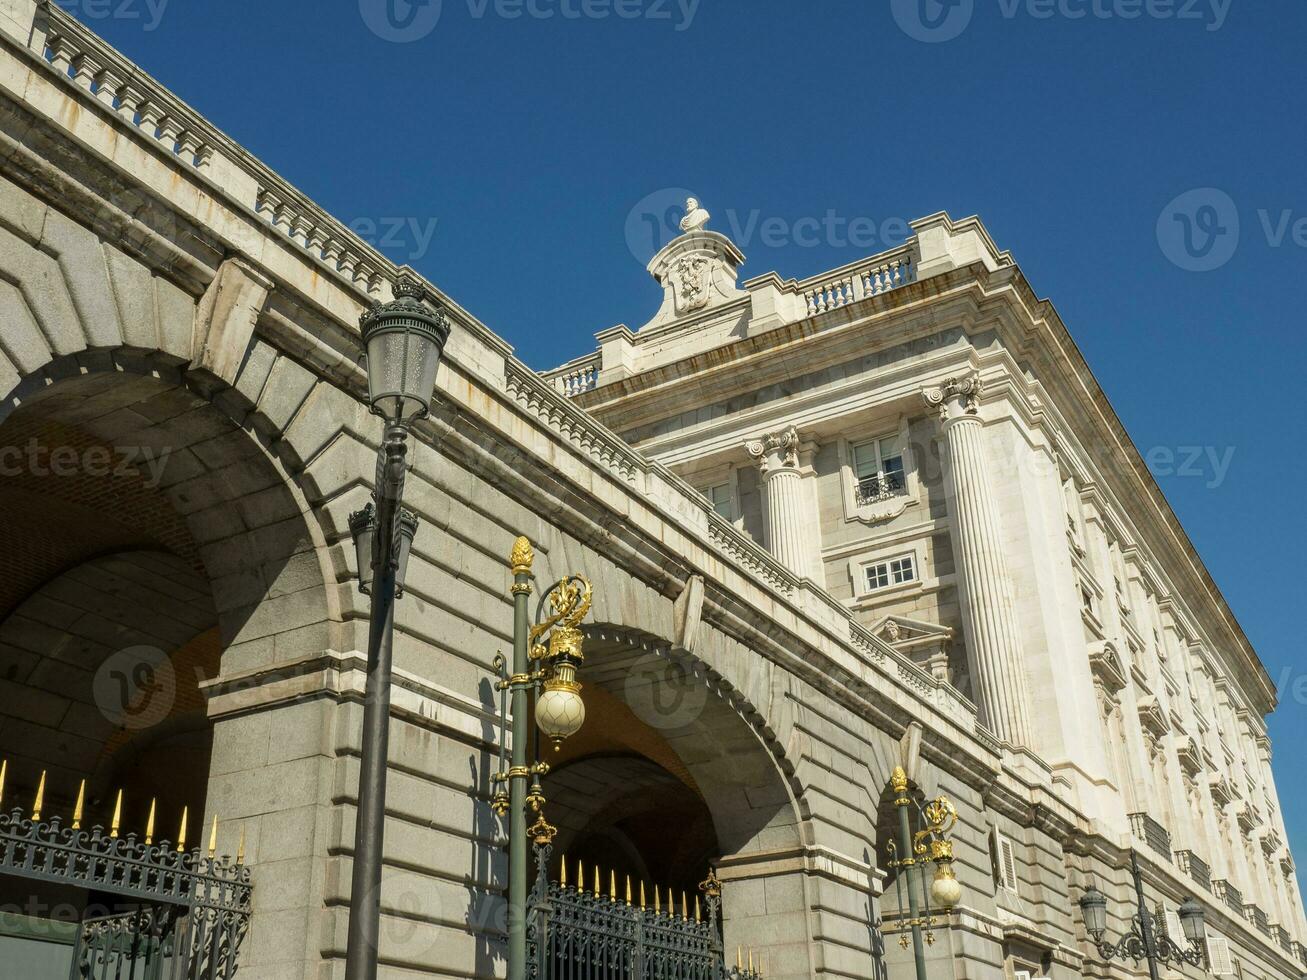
[(503, 153)]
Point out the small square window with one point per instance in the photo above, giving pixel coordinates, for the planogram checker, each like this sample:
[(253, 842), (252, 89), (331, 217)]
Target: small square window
[(895, 571)]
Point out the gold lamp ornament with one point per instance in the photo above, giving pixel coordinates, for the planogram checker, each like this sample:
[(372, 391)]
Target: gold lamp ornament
[(560, 711)]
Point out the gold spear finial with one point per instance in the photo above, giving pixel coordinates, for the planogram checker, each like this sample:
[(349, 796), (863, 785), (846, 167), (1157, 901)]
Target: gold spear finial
[(739, 957), (596, 881), (149, 825), (658, 907), (117, 815), (698, 917), (562, 876), (77, 810), (580, 875), (750, 959), (240, 850), (612, 886), (642, 901), (685, 906), (4, 768), (40, 799), (628, 889), (213, 838), (181, 834)]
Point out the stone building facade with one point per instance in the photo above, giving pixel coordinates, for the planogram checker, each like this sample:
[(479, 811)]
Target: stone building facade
[(883, 517)]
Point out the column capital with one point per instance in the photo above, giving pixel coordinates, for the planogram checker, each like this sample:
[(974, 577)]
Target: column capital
[(776, 450), (956, 398)]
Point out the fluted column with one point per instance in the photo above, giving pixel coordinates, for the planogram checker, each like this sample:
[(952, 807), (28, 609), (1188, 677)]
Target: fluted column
[(986, 588), (778, 461)]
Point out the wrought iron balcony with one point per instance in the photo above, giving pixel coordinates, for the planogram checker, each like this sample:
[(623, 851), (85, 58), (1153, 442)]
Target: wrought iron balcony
[(1257, 917), (1152, 833), (1195, 867), (1227, 893), (1282, 937), (874, 489)]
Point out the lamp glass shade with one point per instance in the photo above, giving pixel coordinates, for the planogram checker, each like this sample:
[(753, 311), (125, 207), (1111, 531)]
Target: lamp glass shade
[(560, 712), (404, 340), (408, 529), (1191, 920), (363, 528), (945, 890), (1093, 905)]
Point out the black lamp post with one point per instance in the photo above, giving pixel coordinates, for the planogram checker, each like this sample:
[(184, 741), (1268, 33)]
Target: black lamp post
[(1143, 941), (404, 340)]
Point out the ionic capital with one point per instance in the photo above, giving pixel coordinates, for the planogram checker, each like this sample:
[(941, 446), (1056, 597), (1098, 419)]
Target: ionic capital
[(776, 450), (956, 398)]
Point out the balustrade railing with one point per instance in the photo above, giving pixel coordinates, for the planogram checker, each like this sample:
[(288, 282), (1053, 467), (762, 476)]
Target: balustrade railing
[(578, 376), (871, 277), (874, 489)]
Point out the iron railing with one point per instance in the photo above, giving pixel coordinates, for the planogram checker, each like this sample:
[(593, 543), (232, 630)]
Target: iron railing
[(873, 489), (579, 933), (1195, 867), (174, 914), (1152, 833), (1229, 894)]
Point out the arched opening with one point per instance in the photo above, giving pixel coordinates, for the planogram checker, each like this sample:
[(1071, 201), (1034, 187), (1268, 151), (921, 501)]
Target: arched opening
[(668, 779), (145, 529)]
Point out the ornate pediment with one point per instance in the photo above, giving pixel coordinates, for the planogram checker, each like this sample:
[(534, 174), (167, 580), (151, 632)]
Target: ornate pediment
[(913, 634), (1190, 756), (1105, 662), (1152, 717), (697, 270), (1222, 792)]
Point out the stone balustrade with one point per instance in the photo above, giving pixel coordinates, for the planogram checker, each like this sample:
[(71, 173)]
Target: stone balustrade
[(868, 277), (578, 376)]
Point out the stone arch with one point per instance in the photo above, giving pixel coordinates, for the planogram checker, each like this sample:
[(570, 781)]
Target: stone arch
[(187, 469), (667, 722)]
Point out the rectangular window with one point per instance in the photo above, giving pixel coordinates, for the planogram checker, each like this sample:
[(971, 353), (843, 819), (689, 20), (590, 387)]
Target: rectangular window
[(720, 496), (895, 571), (878, 469)]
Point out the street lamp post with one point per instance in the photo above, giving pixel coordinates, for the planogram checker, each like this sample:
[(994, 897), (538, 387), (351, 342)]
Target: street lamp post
[(930, 843), (546, 657), (1143, 941), (403, 340)]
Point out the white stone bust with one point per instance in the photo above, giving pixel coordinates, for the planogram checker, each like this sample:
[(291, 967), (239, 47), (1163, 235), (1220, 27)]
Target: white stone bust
[(695, 216)]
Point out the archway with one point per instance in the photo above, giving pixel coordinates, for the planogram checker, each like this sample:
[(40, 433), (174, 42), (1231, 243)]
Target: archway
[(669, 777), (147, 532)]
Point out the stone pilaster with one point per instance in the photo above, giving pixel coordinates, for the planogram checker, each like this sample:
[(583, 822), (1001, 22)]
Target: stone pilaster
[(986, 587), (778, 461)]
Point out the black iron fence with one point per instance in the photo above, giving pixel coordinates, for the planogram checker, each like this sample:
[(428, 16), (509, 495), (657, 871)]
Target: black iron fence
[(170, 913), (599, 933)]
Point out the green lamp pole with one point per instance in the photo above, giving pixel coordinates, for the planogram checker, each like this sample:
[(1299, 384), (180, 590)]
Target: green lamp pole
[(545, 668), (931, 843)]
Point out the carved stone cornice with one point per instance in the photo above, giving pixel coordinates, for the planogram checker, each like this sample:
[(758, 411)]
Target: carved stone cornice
[(956, 398), (776, 450)]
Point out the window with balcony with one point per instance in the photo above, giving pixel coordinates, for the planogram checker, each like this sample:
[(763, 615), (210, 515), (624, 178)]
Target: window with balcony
[(878, 471)]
